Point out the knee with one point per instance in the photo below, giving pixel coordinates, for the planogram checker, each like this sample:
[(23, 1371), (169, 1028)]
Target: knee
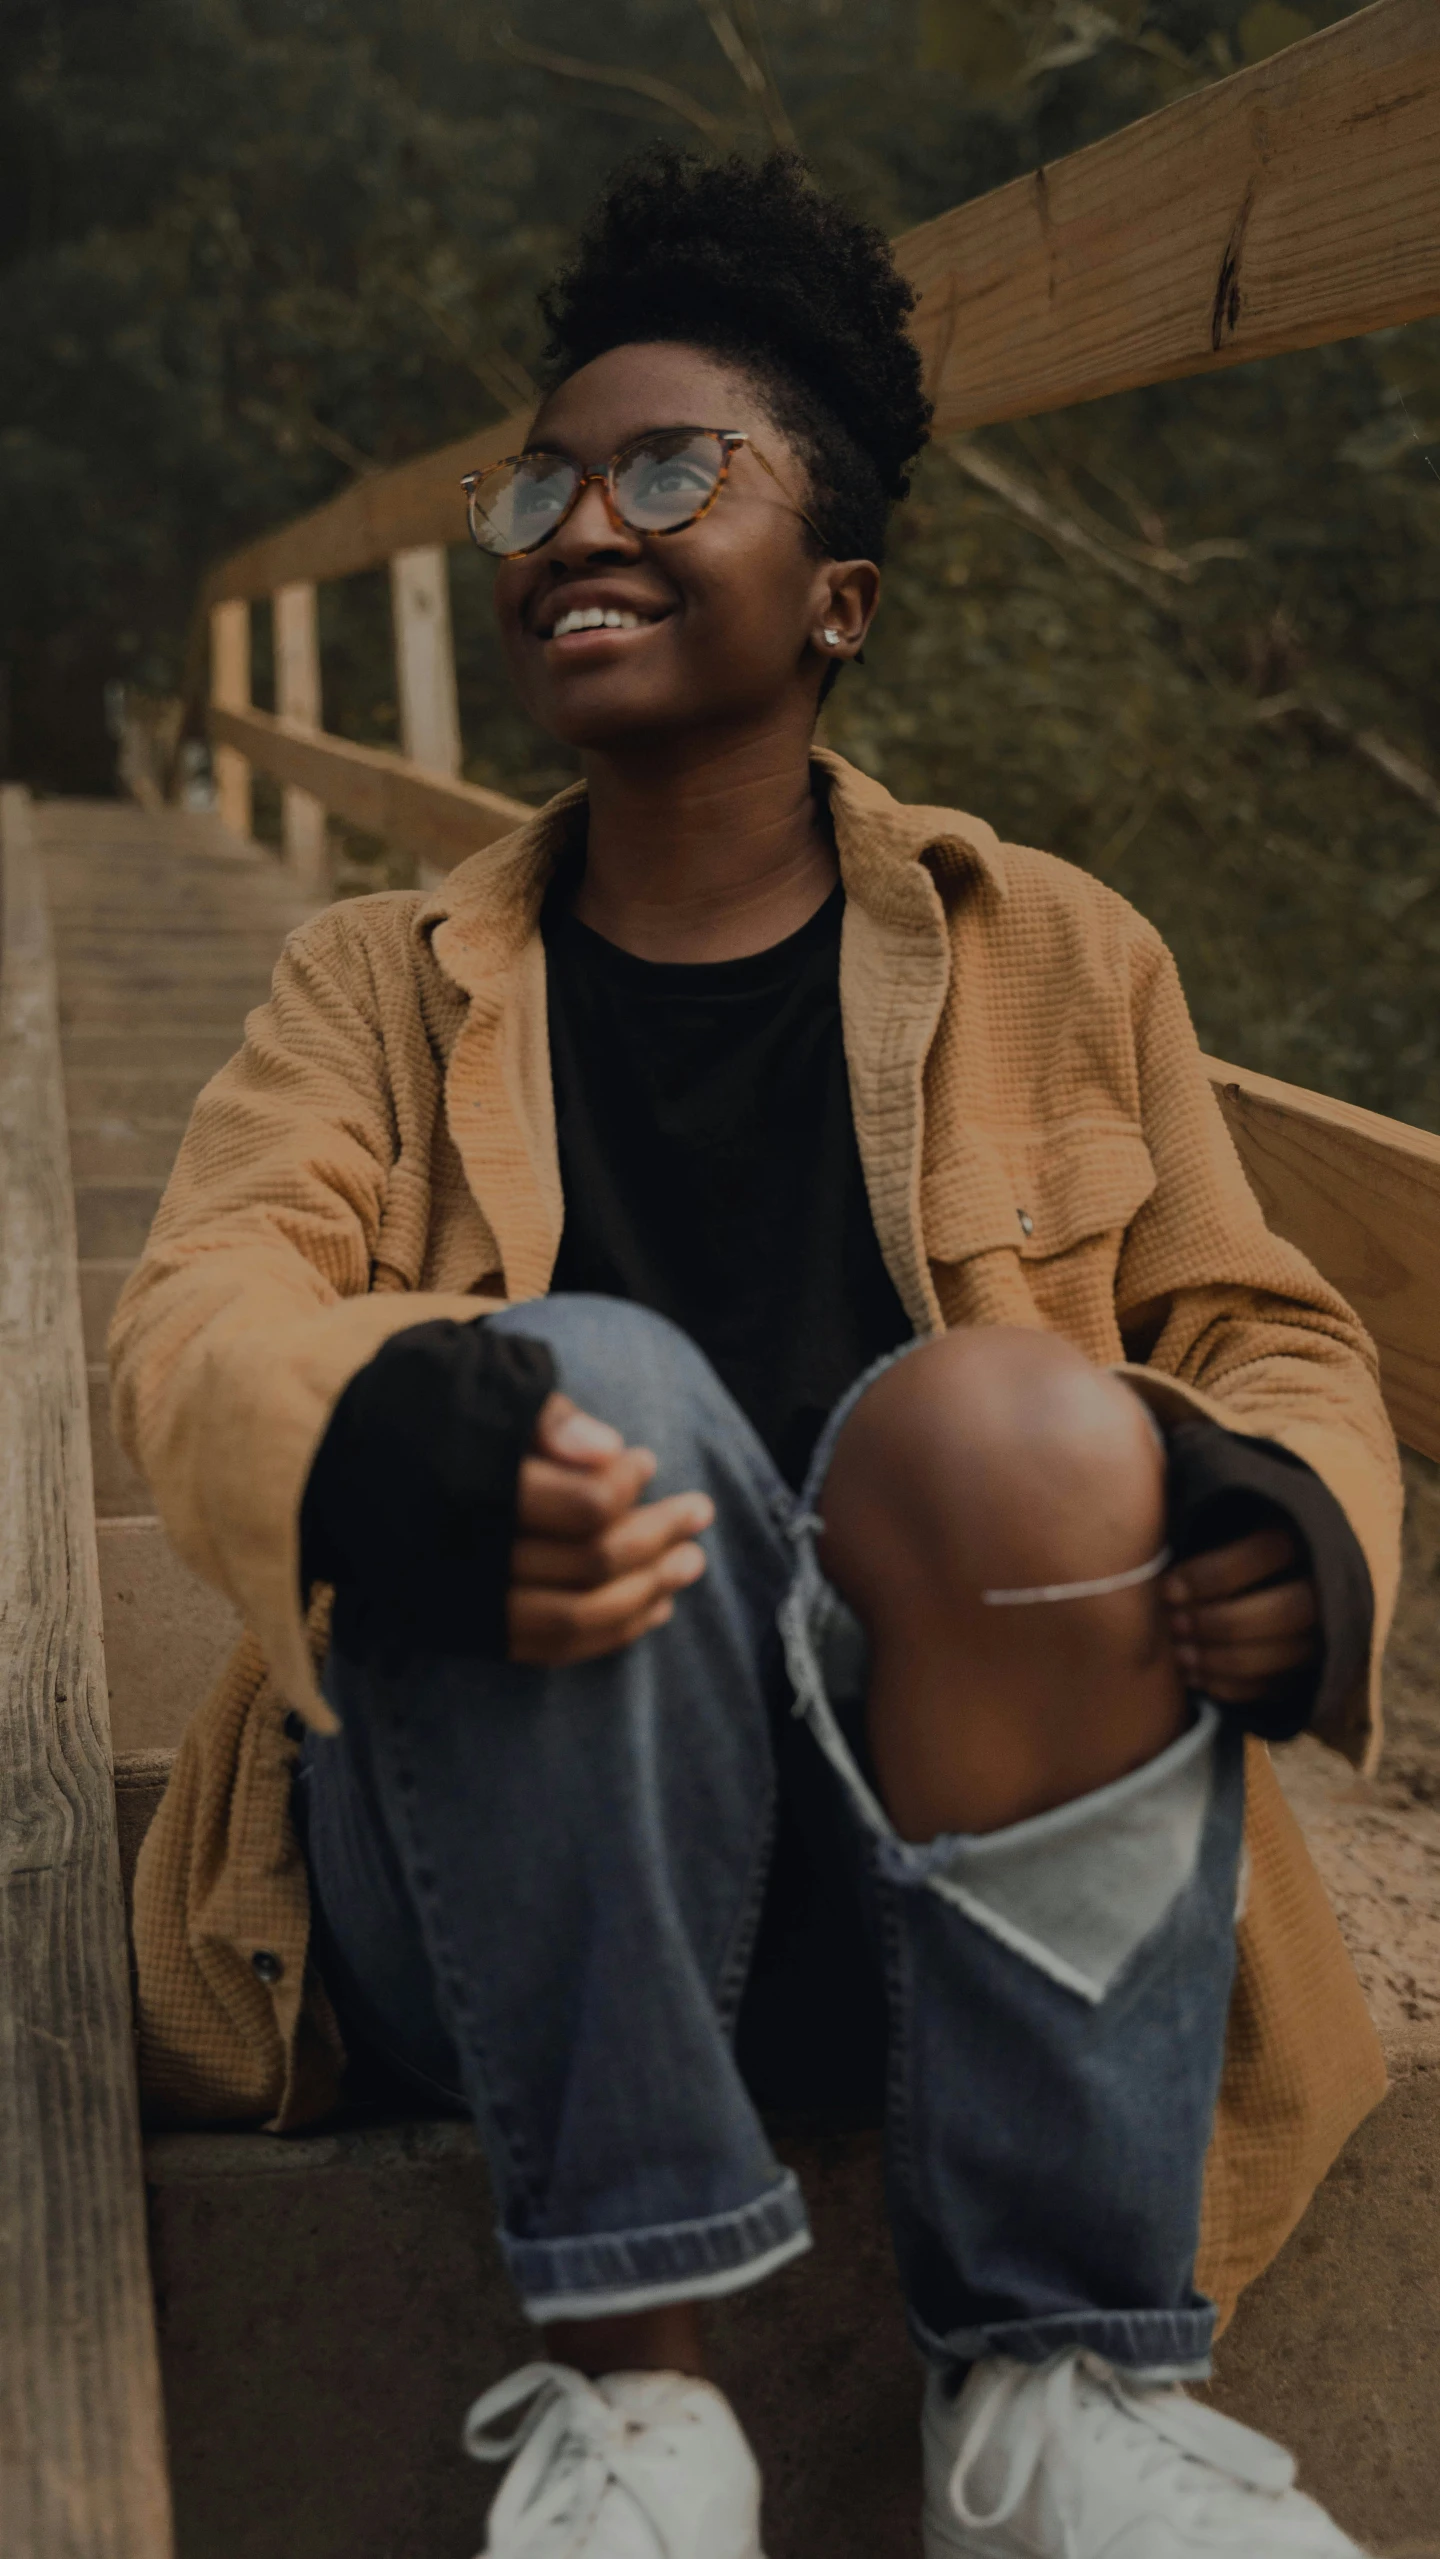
[(629, 1367), (991, 1458)]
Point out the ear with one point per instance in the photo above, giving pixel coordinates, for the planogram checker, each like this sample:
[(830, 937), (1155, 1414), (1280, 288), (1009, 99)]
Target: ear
[(846, 599)]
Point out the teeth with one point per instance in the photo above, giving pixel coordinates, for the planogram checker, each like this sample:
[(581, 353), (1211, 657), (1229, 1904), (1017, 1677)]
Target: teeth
[(592, 618)]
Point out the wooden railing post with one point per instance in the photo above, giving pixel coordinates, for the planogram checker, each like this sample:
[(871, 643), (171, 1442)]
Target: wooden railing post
[(297, 697), (230, 691), (82, 2451), (425, 663)]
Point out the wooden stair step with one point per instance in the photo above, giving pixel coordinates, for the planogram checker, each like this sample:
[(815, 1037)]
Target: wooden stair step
[(321, 2296), (126, 1010), (148, 1050), (113, 1218), (168, 1635), (117, 1149), (193, 1050), (119, 1491), (100, 1285), (148, 1094)]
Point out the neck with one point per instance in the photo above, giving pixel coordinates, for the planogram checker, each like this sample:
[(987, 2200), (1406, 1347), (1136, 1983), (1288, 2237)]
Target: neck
[(704, 856)]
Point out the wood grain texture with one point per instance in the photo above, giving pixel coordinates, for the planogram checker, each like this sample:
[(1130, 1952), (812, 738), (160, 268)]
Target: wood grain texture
[(417, 503), (297, 696), (1360, 1194), (1295, 203), (428, 815), (82, 2466), (230, 684), (1292, 204), (425, 658)]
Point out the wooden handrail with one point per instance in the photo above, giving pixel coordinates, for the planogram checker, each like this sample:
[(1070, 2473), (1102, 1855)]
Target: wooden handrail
[(1290, 205), (426, 814), (1294, 203), (82, 2456), (1360, 1194)]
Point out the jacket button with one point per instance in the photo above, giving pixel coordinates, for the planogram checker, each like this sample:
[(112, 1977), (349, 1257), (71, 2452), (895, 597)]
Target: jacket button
[(266, 1967), (1027, 1222)]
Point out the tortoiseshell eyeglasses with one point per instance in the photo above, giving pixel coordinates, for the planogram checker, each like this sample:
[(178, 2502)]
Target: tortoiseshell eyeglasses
[(657, 483)]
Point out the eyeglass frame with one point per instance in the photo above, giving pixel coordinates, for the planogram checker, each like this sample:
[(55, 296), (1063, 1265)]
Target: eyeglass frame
[(729, 439)]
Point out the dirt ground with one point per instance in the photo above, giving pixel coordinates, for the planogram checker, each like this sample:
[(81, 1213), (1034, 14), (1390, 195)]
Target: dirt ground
[(1377, 1841)]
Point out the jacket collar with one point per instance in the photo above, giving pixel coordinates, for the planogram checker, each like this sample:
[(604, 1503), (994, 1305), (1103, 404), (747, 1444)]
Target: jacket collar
[(480, 918), (897, 865)]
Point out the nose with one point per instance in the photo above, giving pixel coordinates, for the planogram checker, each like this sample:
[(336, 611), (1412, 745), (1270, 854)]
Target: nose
[(590, 532)]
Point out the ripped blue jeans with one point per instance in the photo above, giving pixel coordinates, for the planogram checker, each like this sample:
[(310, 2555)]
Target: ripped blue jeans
[(544, 1888)]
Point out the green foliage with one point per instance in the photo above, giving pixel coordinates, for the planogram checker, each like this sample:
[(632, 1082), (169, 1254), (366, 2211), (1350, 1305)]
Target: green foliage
[(251, 246)]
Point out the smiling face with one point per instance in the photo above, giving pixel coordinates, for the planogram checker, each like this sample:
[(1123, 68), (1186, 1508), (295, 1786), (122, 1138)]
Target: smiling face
[(615, 637)]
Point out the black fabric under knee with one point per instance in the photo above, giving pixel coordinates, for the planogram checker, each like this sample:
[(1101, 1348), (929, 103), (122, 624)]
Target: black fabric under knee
[(812, 2031)]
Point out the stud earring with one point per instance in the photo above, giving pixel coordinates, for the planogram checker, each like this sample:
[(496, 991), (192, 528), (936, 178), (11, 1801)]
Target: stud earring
[(831, 637)]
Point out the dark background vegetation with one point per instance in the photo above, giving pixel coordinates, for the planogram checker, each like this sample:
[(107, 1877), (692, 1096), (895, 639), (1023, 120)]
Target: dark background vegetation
[(1188, 638)]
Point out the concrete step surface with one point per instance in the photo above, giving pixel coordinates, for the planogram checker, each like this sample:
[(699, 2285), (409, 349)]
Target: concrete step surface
[(330, 2305)]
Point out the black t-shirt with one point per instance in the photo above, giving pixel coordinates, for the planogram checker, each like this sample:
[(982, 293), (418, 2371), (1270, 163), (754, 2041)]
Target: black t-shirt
[(709, 1164), (710, 1172)]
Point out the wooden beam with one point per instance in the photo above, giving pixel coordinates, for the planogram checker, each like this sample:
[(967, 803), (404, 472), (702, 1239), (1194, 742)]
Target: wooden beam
[(1290, 205), (230, 686), (82, 2461), (418, 502), (425, 666), (297, 697), (437, 820), (1360, 1194), (425, 658)]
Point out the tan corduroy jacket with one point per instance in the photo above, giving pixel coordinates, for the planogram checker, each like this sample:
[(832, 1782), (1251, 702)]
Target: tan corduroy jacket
[(1040, 1146)]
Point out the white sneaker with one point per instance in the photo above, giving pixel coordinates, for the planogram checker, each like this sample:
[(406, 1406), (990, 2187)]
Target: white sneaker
[(1071, 2459), (641, 2465)]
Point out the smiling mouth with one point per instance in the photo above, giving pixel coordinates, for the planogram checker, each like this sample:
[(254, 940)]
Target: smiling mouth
[(593, 618)]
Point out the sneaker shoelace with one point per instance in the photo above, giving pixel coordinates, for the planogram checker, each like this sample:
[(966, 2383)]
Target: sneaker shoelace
[(1208, 2456), (566, 2446)]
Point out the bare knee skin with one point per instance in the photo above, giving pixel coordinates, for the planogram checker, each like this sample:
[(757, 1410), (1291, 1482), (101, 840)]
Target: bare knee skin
[(1001, 1459)]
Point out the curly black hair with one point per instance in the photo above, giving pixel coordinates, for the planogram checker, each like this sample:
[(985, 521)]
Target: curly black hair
[(753, 263)]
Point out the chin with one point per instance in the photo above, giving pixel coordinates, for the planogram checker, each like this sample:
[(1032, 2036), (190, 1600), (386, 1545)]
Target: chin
[(595, 718)]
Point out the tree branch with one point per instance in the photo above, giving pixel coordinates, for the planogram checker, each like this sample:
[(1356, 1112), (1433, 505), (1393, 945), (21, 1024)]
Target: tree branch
[(1372, 744), (1398, 768), (506, 380), (642, 84), (751, 73)]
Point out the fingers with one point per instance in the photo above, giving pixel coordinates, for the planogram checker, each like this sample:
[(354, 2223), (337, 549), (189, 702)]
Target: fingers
[(1227, 1570), (555, 1500), (640, 1537), (557, 1626), (1235, 1648), (571, 1437)]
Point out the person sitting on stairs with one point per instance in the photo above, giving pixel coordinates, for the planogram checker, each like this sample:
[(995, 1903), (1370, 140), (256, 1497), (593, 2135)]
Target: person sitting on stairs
[(745, 1298)]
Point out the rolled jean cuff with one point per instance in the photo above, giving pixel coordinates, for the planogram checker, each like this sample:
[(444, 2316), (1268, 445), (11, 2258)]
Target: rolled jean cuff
[(1149, 2345), (616, 2272)]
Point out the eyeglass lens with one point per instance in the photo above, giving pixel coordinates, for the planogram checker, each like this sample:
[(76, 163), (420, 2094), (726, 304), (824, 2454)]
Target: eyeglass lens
[(659, 484)]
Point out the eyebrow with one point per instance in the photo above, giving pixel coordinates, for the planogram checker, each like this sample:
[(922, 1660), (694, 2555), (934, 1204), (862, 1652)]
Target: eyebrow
[(671, 426)]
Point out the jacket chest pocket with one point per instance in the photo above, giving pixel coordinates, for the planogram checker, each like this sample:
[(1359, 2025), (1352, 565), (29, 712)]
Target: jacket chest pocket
[(1027, 1222)]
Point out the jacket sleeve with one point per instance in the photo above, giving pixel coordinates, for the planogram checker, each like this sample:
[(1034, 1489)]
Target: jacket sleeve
[(1222, 1319), (263, 1287)]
